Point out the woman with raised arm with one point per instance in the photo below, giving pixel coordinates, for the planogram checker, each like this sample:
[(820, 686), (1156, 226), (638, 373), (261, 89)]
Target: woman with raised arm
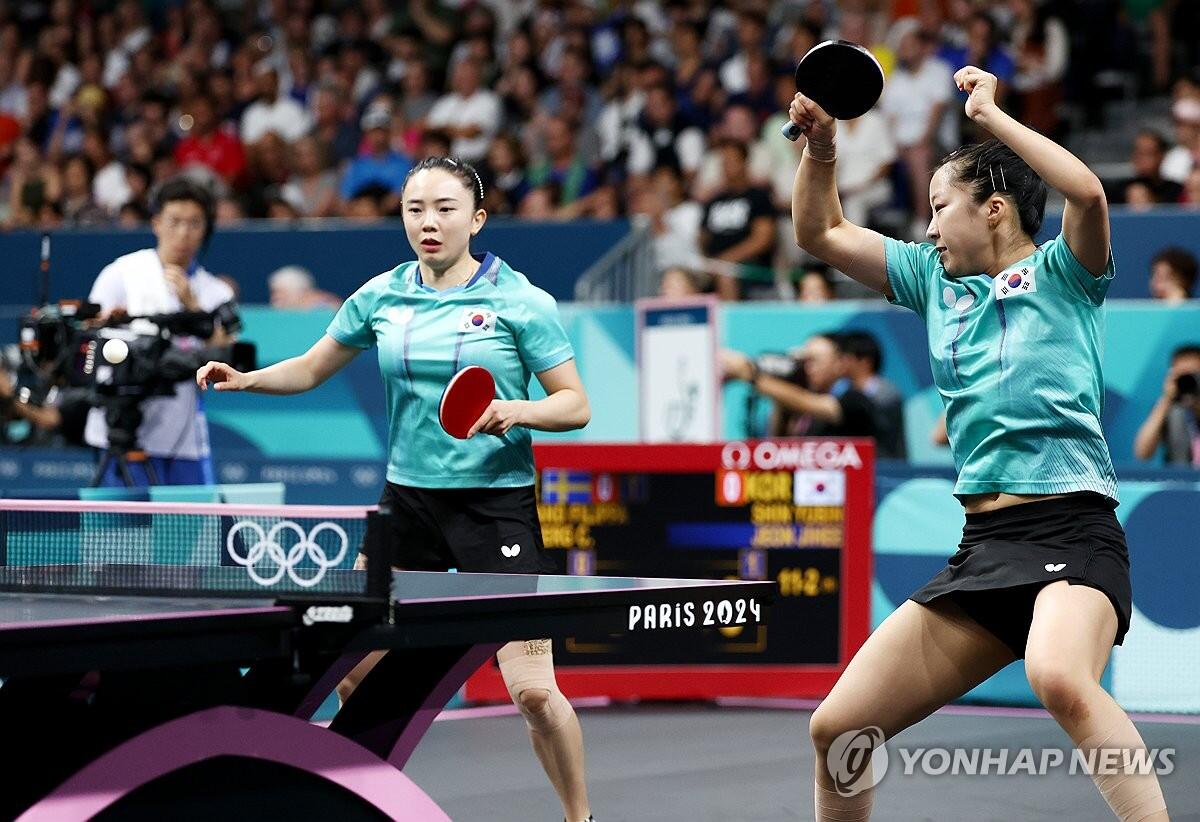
[(1015, 333)]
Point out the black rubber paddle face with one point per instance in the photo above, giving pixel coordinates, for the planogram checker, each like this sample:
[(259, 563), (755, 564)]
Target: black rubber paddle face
[(841, 77)]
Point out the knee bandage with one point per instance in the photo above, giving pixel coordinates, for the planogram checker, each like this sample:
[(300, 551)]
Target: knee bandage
[(1132, 792), (528, 671)]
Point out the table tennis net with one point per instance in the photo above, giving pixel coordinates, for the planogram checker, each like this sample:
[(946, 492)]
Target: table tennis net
[(168, 548)]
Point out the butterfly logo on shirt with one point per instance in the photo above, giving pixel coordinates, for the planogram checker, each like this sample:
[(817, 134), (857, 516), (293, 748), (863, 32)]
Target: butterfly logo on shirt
[(398, 315), (959, 303)]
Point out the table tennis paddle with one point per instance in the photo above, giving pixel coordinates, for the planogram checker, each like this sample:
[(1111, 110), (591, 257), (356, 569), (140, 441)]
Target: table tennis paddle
[(467, 396), (841, 77)]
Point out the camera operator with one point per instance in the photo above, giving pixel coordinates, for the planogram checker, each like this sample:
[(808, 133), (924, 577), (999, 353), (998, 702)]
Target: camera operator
[(816, 400), (163, 280), (1175, 419)]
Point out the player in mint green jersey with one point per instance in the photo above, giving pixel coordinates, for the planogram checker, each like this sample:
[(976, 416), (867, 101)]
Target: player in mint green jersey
[(1015, 333), (466, 504)]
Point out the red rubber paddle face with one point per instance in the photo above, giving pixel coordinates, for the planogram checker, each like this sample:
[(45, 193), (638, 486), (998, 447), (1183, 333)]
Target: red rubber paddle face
[(467, 396)]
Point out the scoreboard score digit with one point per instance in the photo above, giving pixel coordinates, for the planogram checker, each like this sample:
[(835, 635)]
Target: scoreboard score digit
[(794, 511)]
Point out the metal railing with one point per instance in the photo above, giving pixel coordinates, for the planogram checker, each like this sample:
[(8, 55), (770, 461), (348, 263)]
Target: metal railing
[(625, 272)]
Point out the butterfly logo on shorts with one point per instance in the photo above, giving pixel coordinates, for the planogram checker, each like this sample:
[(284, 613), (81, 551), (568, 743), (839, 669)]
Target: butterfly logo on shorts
[(1052, 568), (510, 552)]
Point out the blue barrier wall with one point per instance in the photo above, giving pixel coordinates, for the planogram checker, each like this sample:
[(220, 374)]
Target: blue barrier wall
[(342, 258), (553, 254)]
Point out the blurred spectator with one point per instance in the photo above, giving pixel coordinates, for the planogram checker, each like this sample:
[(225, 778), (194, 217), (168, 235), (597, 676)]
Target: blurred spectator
[(739, 228), (334, 125), (367, 204), (1039, 41), (295, 287), (980, 46), (1185, 156), (538, 203), (1174, 421), (109, 189), (32, 184), (1191, 189), (572, 88), (271, 111), (229, 212), (751, 40), (680, 282), (739, 124), (78, 207), (1172, 275), (379, 165), (674, 220), (863, 360), (913, 101), (312, 189), (1149, 149), (562, 164), (816, 285), (759, 95), (503, 172), (469, 113), (433, 143), (208, 145), (866, 153), (663, 137)]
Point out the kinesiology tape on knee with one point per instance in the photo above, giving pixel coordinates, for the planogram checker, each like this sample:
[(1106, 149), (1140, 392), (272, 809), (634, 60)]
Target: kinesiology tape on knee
[(831, 806), (1117, 760), (534, 670)]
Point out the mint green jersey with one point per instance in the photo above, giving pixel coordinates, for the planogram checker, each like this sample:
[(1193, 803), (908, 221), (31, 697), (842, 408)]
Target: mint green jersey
[(1016, 360), (498, 320)]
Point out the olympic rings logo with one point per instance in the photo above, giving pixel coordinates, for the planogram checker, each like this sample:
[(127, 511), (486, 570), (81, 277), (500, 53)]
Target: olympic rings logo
[(267, 549)]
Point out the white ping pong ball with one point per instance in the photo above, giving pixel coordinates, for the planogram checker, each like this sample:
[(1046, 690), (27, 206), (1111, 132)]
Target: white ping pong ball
[(115, 351)]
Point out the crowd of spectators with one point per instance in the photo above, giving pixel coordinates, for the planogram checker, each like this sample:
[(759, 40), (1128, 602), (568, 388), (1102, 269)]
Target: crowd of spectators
[(570, 108)]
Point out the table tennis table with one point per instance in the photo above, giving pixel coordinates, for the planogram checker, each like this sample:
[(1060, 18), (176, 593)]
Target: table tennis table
[(193, 706)]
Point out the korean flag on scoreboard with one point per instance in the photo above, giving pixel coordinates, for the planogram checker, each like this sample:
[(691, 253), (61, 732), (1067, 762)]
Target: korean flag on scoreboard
[(819, 488)]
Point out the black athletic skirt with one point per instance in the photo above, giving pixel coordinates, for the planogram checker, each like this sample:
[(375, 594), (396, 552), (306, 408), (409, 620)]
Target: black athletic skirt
[(1007, 556)]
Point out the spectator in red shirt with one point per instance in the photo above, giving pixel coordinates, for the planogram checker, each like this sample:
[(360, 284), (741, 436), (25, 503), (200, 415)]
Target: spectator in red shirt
[(209, 146)]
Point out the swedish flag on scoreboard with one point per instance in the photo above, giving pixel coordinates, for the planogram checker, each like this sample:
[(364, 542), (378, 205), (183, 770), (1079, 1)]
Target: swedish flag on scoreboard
[(560, 487)]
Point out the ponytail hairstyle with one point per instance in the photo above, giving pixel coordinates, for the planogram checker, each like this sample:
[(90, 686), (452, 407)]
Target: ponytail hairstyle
[(991, 168), (461, 169)]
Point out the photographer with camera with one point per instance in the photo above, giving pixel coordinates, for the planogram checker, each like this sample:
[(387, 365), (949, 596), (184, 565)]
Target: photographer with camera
[(164, 280), (56, 414), (812, 395), (1175, 419)]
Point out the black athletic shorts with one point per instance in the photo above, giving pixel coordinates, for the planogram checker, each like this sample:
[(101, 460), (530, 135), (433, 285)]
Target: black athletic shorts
[(1008, 555), (475, 530)]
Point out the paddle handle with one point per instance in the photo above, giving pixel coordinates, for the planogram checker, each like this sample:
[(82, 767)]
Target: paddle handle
[(791, 131)]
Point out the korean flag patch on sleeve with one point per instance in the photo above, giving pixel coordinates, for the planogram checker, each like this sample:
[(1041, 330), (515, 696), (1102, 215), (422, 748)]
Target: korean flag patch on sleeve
[(1013, 281), (478, 320)]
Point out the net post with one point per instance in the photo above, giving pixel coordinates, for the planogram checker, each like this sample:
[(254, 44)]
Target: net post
[(377, 550)]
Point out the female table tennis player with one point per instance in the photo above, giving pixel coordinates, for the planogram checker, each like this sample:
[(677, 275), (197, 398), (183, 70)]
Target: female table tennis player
[(467, 504), (1014, 331)]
